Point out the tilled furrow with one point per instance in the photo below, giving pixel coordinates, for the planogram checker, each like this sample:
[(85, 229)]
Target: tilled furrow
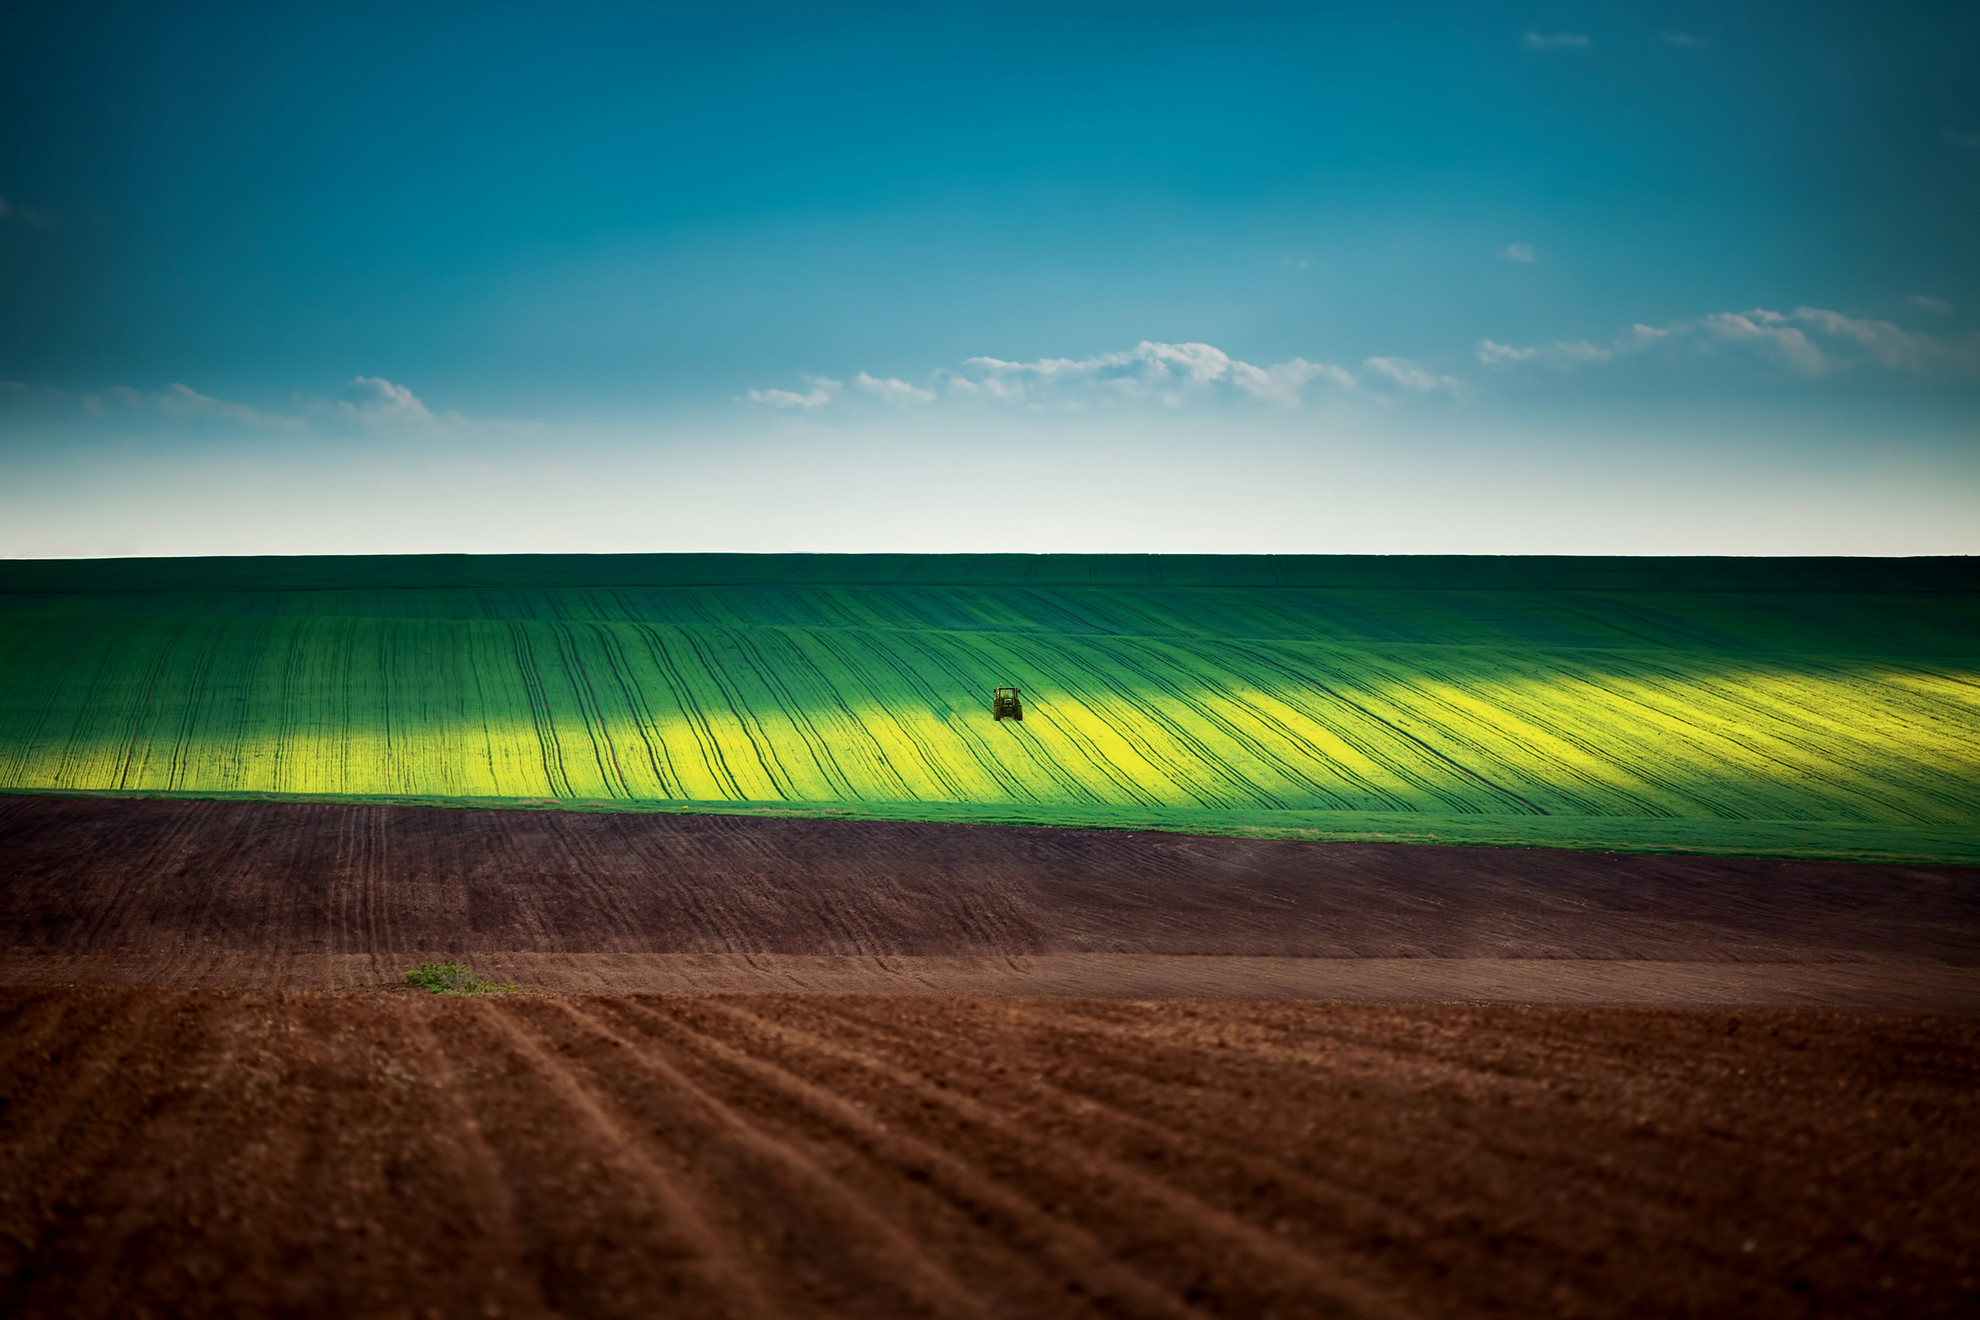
[(1124, 1094), (614, 1218), (1312, 1179), (1134, 1197), (872, 1255), (460, 1155), (1643, 1166), (267, 1181), (162, 1153), (388, 1153), (1424, 1157), (1609, 1140), (36, 1018), (1026, 1237), (1320, 1181), (93, 1076)]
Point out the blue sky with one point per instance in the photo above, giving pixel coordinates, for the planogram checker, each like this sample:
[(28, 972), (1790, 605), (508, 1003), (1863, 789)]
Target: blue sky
[(1676, 278)]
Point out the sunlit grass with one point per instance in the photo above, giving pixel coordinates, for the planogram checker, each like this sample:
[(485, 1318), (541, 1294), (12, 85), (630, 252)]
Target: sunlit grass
[(1242, 702)]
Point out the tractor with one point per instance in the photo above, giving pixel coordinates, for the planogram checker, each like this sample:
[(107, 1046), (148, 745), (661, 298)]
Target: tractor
[(1004, 702)]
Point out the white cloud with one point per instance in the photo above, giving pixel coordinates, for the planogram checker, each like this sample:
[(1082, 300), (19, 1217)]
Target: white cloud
[(1809, 341), (178, 401), (1936, 306), (183, 401), (1560, 354), (893, 390), (370, 402), (1894, 349), (1769, 332), (821, 392), (377, 402), (789, 399), (1964, 141), (1410, 376), (376, 397), (1520, 252), (1683, 40), (1163, 373), (1555, 41), (1298, 263), (1166, 375), (1285, 382)]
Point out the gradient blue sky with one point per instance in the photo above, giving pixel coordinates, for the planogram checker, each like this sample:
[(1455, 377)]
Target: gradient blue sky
[(1674, 278)]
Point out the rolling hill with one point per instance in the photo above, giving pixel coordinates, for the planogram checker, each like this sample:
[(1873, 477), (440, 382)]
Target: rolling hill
[(1801, 707)]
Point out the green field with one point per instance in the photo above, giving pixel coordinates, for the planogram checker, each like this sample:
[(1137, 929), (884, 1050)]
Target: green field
[(1794, 707)]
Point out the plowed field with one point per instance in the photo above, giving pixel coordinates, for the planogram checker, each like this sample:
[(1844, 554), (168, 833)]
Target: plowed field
[(1233, 1147), (334, 895), (186, 1153)]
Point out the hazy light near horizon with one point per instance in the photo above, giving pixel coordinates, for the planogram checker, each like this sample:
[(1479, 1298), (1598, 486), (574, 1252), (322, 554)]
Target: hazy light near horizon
[(1341, 480)]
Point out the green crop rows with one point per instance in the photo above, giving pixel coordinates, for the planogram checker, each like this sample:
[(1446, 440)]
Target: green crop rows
[(1593, 703)]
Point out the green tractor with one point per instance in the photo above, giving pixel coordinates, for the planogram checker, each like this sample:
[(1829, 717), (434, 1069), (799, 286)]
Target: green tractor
[(1004, 704)]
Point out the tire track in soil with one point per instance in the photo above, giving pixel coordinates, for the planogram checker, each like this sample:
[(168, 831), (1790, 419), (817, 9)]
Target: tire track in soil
[(722, 677), (190, 882), (639, 708), (780, 681), (591, 714), (108, 921), (707, 742)]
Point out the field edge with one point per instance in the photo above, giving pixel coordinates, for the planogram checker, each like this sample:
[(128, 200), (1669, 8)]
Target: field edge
[(1930, 845)]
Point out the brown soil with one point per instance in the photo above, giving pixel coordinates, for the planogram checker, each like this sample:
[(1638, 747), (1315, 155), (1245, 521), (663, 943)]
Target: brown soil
[(1224, 1144), (166, 888), (1862, 985), (200, 1152)]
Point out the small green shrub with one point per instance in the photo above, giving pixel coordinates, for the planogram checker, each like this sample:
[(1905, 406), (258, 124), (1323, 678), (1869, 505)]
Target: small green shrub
[(452, 979)]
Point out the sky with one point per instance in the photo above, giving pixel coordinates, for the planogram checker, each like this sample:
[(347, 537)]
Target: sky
[(1475, 277)]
